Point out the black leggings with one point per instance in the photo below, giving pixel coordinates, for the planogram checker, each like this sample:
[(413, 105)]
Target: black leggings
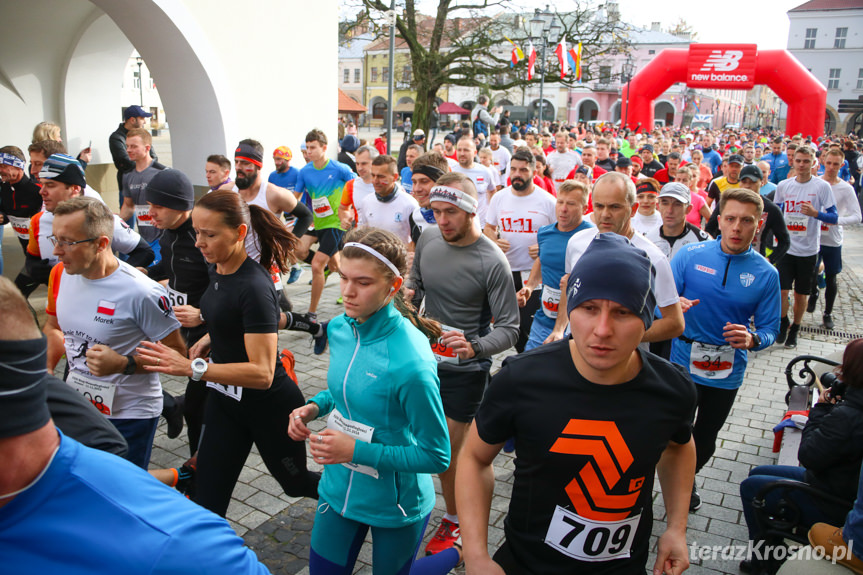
[(525, 314), (714, 405), (230, 428)]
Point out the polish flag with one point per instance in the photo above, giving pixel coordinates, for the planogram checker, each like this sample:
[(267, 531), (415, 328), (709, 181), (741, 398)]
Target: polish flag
[(563, 58), (531, 61), (106, 307)]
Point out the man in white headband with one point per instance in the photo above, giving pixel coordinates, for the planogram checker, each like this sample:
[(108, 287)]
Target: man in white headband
[(467, 281)]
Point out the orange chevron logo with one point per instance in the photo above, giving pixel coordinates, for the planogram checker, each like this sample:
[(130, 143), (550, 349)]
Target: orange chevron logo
[(610, 457)]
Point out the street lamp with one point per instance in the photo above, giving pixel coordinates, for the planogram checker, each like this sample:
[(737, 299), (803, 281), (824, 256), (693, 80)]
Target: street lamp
[(140, 80), (391, 16), (543, 26), (628, 70)]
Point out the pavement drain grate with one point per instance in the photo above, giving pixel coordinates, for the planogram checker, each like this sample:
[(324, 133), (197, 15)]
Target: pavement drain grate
[(830, 332)]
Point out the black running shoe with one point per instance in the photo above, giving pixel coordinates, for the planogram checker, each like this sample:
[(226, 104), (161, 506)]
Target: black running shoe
[(783, 330), (791, 341), (694, 500), (828, 321)]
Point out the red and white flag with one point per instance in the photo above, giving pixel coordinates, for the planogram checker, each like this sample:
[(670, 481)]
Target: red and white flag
[(106, 307), (563, 58), (531, 60)]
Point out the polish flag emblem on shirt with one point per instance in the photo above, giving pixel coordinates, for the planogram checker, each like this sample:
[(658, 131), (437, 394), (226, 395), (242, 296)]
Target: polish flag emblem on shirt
[(106, 307)]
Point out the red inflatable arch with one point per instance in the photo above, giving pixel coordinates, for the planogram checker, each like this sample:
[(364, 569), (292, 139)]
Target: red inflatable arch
[(729, 67)]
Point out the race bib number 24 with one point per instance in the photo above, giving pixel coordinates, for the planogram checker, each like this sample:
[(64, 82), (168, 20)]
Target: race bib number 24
[(589, 540)]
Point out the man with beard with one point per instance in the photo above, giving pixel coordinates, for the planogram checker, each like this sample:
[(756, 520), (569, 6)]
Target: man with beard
[(481, 176), (138, 145), (249, 184), (285, 175), (477, 288), (515, 215)]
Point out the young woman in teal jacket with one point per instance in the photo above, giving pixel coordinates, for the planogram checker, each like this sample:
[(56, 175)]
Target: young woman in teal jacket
[(386, 432)]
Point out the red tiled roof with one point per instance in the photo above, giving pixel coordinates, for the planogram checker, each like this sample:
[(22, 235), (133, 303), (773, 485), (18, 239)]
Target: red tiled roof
[(348, 105), (813, 5)]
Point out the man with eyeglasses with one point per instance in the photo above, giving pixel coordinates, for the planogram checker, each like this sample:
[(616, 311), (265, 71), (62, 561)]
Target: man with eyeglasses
[(62, 178), (99, 310)]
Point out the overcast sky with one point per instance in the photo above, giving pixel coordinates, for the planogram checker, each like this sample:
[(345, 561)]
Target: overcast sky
[(761, 22)]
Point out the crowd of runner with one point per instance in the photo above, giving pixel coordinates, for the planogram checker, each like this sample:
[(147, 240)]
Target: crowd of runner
[(630, 272)]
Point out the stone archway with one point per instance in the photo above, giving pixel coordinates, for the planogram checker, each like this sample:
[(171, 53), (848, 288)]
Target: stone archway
[(664, 110), (587, 110)]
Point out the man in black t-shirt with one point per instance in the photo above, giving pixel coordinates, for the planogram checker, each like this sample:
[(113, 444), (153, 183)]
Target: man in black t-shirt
[(589, 432)]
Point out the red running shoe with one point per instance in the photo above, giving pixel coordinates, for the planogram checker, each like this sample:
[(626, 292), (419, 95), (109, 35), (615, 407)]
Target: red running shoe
[(446, 536)]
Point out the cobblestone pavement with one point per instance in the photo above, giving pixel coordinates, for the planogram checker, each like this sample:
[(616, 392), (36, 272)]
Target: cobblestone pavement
[(278, 527)]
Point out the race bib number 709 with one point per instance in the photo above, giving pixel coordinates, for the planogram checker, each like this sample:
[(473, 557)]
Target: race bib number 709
[(589, 540)]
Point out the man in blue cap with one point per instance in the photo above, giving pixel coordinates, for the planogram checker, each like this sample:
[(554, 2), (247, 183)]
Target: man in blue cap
[(591, 430)]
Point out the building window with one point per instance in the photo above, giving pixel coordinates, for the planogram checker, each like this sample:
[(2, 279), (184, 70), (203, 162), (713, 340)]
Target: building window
[(136, 79), (651, 52), (833, 81), (406, 74), (810, 38), (347, 78), (860, 79), (356, 75), (604, 74), (379, 110), (374, 74), (386, 74), (841, 35)]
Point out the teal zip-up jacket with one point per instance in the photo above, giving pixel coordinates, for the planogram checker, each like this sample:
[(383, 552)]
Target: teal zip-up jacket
[(383, 374)]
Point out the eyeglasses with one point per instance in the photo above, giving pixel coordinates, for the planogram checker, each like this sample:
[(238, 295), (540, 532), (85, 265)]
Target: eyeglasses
[(55, 242)]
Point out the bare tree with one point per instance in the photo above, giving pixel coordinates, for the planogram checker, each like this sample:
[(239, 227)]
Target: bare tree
[(464, 44)]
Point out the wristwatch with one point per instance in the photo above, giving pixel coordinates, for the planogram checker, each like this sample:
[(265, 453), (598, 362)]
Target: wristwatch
[(475, 345), (199, 367), (131, 366), (756, 341)]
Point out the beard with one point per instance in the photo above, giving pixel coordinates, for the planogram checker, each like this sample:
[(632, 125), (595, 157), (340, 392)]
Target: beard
[(245, 180), (518, 184)]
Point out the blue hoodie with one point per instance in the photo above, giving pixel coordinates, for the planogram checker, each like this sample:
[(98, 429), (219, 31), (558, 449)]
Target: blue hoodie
[(732, 288), (383, 374)]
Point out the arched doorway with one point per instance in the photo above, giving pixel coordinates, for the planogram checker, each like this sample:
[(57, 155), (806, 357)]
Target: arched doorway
[(664, 110), (615, 112), (831, 121), (467, 105), (547, 110), (588, 110), (379, 108), (855, 124)]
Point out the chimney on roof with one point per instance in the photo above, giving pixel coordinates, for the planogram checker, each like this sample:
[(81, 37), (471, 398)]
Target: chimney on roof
[(613, 11), (456, 25), (656, 26)]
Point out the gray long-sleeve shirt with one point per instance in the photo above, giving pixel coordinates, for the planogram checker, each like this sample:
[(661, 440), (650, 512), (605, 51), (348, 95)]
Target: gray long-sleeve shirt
[(465, 287)]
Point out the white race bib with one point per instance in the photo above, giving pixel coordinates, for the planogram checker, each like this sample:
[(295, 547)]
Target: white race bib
[(176, 297), (589, 540), (322, 207), (232, 391), (142, 215), (443, 353), (21, 226), (525, 275), (100, 393), (358, 431), (711, 361), (796, 224), (550, 301), (277, 278)]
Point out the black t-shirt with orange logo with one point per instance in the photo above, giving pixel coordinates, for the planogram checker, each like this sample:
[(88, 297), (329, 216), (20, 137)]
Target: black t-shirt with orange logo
[(586, 456)]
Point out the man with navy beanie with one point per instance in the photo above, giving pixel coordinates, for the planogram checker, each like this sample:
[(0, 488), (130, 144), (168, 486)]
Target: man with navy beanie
[(593, 418)]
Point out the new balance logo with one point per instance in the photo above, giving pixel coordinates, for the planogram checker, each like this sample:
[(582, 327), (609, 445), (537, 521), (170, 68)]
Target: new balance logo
[(722, 61)]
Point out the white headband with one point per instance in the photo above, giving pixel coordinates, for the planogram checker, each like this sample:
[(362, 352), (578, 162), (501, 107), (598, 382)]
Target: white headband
[(375, 253), (453, 196)]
